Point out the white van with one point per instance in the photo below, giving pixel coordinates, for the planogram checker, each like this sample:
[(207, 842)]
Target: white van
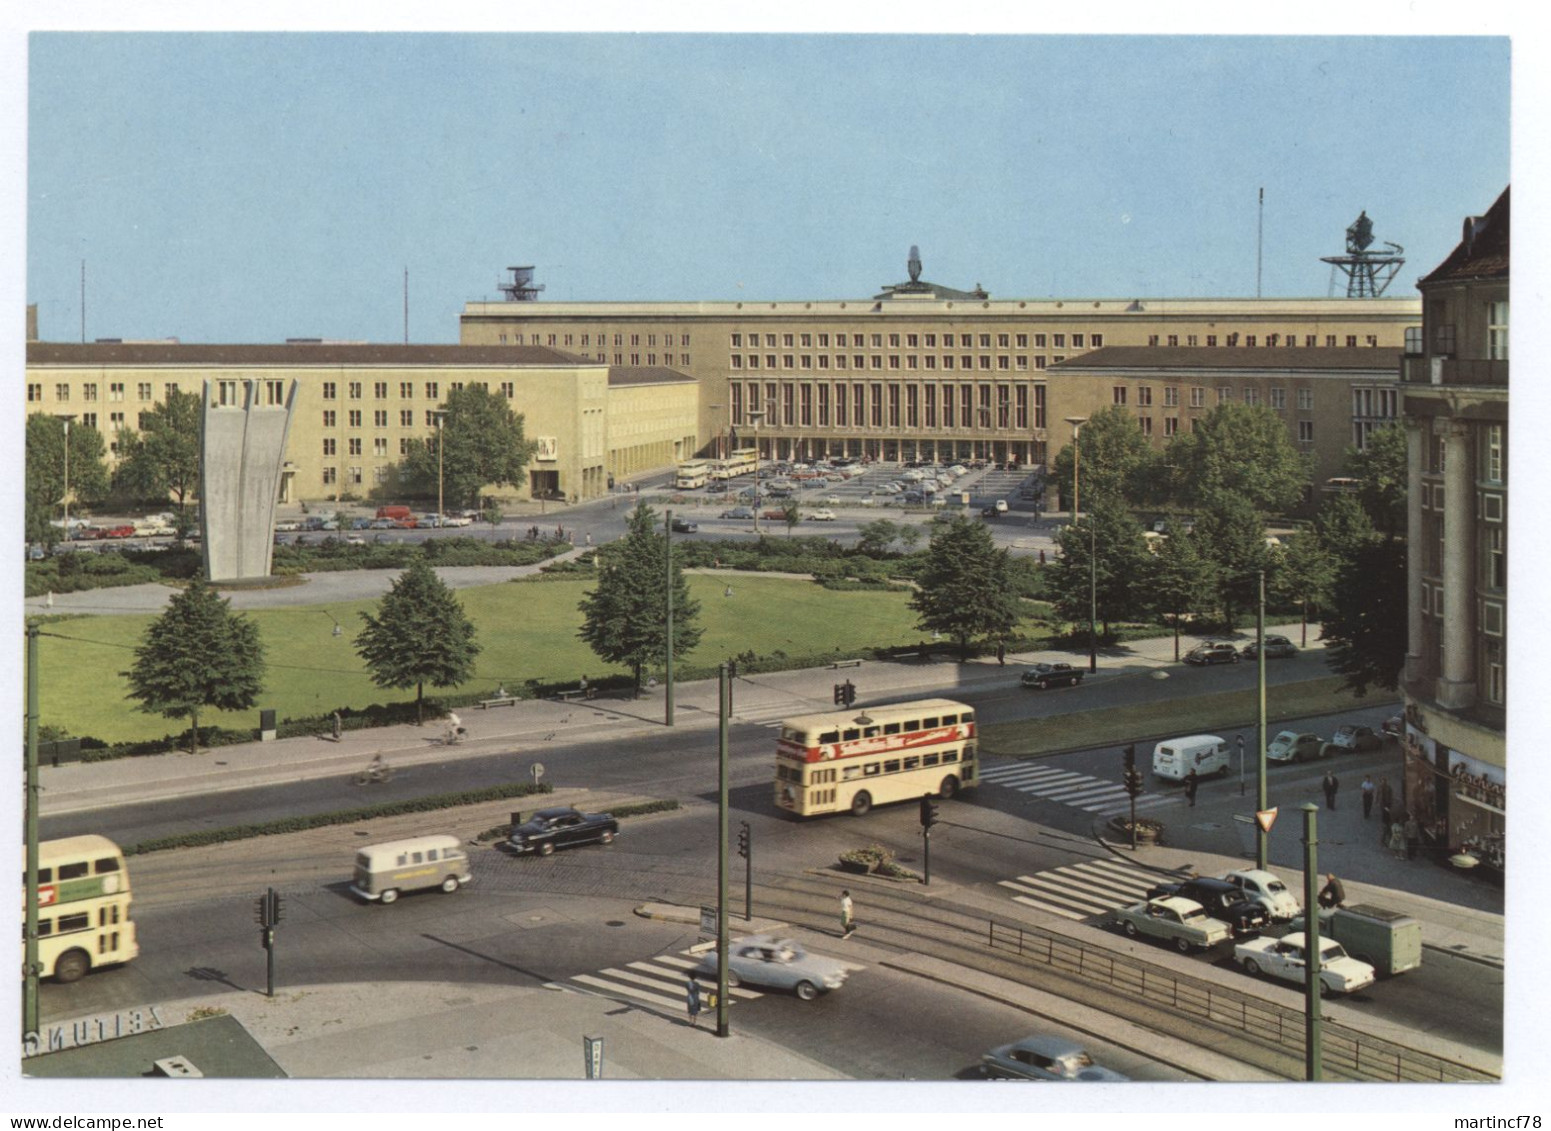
[(385, 871), (1174, 758)]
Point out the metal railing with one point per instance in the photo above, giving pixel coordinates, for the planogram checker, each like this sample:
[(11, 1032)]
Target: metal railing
[(1345, 1049)]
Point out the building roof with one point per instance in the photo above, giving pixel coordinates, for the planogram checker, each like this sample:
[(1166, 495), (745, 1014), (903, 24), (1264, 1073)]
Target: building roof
[(1482, 252), (294, 354), (647, 375), (1202, 358)]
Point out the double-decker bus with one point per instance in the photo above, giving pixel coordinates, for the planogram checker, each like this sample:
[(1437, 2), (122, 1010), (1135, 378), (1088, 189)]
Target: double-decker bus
[(83, 907), (852, 760), (740, 461), (692, 473)]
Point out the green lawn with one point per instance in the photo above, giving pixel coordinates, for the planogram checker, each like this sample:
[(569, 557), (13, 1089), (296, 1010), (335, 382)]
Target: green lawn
[(527, 630)]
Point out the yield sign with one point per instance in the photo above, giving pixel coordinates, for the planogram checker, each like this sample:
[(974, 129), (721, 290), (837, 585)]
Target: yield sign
[(1265, 818)]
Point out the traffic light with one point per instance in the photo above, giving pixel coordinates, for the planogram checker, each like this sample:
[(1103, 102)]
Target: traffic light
[(840, 695), (928, 812), (743, 839), (849, 690), (1129, 757), (268, 909)]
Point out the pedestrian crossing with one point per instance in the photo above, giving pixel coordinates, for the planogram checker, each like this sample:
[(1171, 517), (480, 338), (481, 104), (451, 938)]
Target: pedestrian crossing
[(1077, 891), (658, 981), (1068, 787)]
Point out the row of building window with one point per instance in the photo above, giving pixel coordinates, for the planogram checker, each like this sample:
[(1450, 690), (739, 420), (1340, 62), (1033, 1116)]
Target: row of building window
[(1277, 398), (918, 341), (878, 405), (889, 361), (1250, 341), (90, 389), (355, 417), (568, 340)]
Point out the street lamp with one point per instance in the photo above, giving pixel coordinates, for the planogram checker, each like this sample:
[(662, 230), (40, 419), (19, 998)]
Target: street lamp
[(339, 629), (66, 418), (756, 415), (439, 415), (1093, 561)]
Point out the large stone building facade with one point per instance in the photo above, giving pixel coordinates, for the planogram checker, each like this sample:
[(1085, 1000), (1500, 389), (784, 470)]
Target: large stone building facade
[(1455, 382)]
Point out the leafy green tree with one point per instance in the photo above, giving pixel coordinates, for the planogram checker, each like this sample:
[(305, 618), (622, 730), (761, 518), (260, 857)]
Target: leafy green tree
[(484, 446), (790, 515), (624, 620), (875, 537), (1304, 573), (195, 655), (45, 473), (965, 590), (1116, 459), (1113, 588), (1241, 449), (162, 458), (1231, 536), (1181, 580), (1380, 470), (1343, 525), (420, 635), (1365, 624)]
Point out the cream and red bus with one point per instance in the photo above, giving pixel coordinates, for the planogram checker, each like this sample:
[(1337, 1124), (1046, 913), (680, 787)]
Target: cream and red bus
[(83, 907), (692, 473), (740, 461), (851, 760)]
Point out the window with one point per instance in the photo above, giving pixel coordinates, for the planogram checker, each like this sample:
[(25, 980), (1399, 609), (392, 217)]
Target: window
[(116, 391), (380, 418), (330, 476), (894, 341), (1003, 341), (1173, 339), (1171, 396), (1077, 340), (1039, 341), (1170, 425), (1059, 341), (1197, 396), (1497, 331), (355, 445), (355, 476), (433, 391), (508, 390), (34, 392), (1351, 341), (145, 390), (1146, 424), (1120, 394), (380, 390), (1305, 400), (1252, 396), (380, 446), (737, 341), (1305, 431), (1191, 340), (1144, 396), (355, 390), (1279, 398), (1493, 451), (1224, 394), (1496, 558), (89, 391), (355, 418), (1211, 341), (330, 418), (407, 418), (1250, 340), (985, 341), (88, 420), (877, 341), (1096, 341)]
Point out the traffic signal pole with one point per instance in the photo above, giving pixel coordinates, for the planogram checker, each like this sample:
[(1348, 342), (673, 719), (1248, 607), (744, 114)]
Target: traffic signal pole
[(928, 819)]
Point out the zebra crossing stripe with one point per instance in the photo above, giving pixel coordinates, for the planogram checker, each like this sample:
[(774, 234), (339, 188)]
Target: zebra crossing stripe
[(1087, 790), (1065, 896), (1047, 776), (1145, 802), (732, 991), (616, 988), (1112, 886)]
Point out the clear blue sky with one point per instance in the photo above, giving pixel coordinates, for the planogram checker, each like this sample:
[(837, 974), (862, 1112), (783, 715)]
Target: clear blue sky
[(227, 187)]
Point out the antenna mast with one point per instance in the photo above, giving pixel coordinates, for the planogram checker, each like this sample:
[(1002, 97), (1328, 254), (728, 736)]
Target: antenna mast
[(1368, 273)]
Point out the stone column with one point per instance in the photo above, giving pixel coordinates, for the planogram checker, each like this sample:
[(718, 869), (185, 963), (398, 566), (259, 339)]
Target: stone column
[(1416, 557), (1457, 681)]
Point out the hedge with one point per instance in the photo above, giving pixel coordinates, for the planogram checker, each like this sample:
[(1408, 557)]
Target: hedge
[(203, 837)]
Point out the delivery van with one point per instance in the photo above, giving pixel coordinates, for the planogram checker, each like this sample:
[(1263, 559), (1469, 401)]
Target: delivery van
[(1174, 758), (383, 872), (395, 512), (1388, 941)]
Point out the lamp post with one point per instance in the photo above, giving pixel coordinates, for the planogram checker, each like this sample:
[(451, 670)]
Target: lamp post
[(439, 415), (66, 418), (1093, 562), (756, 415)]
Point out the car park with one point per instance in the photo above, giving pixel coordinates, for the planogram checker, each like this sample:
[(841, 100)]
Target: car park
[(1213, 652), (1292, 746), (1351, 736), (1045, 1058), (1220, 900), (1277, 648), (684, 526), (1268, 888), (561, 827), (783, 964), (1182, 922), (738, 512), (1286, 958), (823, 514), (1043, 676)]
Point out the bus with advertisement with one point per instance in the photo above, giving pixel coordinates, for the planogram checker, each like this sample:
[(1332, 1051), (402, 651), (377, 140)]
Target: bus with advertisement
[(849, 761), (692, 473), (83, 907), (740, 461)]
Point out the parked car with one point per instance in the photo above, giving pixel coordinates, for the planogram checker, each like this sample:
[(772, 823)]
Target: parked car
[(1291, 746), (1389, 941), (561, 827), (1000, 506), (1277, 648), (120, 530), (773, 515), (1350, 736), (1287, 958), (764, 960), (684, 526), (1183, 922), (1050, 675), (288, 525), (1268, 888), (1395, 726), (457, 520), (1214, 652), (823, 514), (383, 524), (990, 512), (738, 512), (1044, 1058), (831, 500), (1220, 900)]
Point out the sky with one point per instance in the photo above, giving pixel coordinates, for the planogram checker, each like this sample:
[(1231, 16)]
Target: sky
[(256, 186)]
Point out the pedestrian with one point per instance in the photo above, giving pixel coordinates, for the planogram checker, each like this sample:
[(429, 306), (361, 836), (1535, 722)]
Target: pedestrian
[(589, 538), (1397, 840), (1001, 654), (1330, 785), (1368, 791), (338, 726), (692, 1000), (1413, 833), (847, 915), (1191, 782), (1332, 894)]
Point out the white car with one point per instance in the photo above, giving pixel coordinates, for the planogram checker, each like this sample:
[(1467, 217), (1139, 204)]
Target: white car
[(1267, 889), (824, 514), (457, 520), (1286, 958), (832, 500), (1001, 506)]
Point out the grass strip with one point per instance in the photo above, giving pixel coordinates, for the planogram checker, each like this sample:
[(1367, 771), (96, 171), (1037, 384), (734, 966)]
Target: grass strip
[(1115, 726)]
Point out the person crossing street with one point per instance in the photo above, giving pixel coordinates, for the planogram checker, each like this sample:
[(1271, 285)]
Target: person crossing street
[(847, 915)]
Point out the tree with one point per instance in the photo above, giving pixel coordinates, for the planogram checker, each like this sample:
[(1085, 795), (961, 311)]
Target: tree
[(1231, 536), (420, 635), (45, 473), (1115, 459), (624, 620), (1241, 449), (1304, 573), (1181, 580), (965, 590), (1380, 470), (163, 457), (197, 654), (1365, 625), (875, 537), (1112, 586), (482, 444), (790, 515)]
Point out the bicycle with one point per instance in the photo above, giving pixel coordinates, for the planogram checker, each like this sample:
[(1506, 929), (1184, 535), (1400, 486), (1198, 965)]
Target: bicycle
[(379, 773), (454, 735)]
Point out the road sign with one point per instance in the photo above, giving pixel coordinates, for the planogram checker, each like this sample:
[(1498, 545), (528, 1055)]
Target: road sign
[(708, 922), (47, 894), (594, 1050), (1265, 818), (538, 772)]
